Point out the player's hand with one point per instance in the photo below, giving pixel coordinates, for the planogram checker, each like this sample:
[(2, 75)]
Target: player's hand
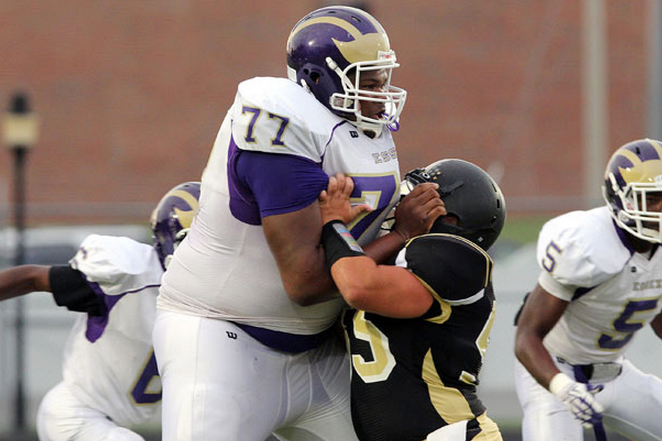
[(334, 201), (417, 211), (578, 398)]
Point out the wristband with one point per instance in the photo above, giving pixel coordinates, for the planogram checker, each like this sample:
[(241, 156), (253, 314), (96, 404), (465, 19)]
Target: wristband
[(559, 383), (338, 242)]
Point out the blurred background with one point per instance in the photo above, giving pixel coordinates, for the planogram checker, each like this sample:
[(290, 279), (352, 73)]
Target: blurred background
[(126, 99)]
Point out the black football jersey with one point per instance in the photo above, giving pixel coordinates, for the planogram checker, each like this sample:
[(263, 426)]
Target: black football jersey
[(413, 376)]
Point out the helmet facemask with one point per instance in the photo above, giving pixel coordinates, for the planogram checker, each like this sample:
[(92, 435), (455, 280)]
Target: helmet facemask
[(629, 208), (349, 101)]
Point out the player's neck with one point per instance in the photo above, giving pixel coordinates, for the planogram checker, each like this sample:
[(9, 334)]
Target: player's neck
[(641, 246)]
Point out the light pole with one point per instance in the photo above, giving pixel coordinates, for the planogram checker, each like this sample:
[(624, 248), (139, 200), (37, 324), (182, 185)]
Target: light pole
[(19, 133)]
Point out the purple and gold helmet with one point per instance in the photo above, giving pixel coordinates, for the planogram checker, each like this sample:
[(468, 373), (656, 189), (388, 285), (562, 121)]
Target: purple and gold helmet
[(172, 219), (327, 51), (633, 171)]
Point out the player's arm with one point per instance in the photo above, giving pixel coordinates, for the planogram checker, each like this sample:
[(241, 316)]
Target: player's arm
[(385, 290), (414, 215), (364, 284), (656, 324), (294, 242), (68, 286), (24, 279), (540, 313)]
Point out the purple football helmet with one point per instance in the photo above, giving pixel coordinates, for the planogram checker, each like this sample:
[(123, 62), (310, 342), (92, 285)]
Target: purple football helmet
[(327, 51), (634, 171), (172, 219)]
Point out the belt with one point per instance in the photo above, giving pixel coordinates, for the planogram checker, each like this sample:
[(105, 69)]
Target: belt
[(600, 372), (286, 342)]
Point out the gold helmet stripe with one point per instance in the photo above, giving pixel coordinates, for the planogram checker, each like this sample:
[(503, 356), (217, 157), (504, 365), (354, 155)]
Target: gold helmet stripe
[(640, 171), (353, 31), (185, 216), (362, 48)]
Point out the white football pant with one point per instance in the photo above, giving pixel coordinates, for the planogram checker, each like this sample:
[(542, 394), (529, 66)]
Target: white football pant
[(220, 384), (632, 405), (62, 417)]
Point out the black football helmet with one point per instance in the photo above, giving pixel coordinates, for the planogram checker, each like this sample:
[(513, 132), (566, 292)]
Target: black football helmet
[(172, 219), (469, 194)]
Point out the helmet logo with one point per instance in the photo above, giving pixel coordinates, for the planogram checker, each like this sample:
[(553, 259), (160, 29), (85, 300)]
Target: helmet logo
[(362, 47), (185, 217)]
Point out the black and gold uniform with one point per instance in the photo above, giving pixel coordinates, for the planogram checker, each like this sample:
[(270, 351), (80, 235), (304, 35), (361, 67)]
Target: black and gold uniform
[(412, 376)]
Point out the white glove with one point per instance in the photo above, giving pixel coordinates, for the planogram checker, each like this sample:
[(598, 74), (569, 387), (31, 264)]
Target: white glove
[(578, 398)]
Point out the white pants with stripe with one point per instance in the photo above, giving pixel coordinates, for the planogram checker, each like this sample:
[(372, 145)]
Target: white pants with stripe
[(63, 417), (632, 405), (220, 384)]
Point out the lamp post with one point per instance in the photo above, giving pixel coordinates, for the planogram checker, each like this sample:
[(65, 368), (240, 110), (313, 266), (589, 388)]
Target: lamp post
[(19, 133)]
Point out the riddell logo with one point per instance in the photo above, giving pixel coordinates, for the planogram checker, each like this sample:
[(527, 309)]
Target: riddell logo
[(354, 133)]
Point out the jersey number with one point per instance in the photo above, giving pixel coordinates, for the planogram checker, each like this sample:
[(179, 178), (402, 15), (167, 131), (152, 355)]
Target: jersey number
[(548, 262), (277, 140), (383, 360), (144, 391), (375, 190), (624, 326)]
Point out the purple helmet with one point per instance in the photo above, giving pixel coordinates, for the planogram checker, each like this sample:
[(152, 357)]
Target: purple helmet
[(326, 52), (172, 219), (633, 171)]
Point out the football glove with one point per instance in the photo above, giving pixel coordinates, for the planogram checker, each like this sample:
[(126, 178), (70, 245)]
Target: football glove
[(578, 398)]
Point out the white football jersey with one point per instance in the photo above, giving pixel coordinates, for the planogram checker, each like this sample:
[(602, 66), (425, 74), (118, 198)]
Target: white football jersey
[(224, 269), (613, 292), (109, 361)]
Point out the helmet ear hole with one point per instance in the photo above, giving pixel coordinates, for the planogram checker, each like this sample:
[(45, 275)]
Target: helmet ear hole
[(315, 77)]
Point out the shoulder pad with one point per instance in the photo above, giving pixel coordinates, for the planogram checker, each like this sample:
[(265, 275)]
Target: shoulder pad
[(117, 264), (581, 248), (453, 268), (275, 115)]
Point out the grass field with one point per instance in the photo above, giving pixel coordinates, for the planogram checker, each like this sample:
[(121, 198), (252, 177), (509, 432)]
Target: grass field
[(522, 229)]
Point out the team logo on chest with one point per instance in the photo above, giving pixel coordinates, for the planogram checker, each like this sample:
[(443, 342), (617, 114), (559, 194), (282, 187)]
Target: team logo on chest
[(648, 284)]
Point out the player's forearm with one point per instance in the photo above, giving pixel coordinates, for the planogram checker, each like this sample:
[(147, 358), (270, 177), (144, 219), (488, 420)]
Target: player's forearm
[(21, 280), (308, 281), (382, 249), (381, 289), (530, 351), (656, 324)]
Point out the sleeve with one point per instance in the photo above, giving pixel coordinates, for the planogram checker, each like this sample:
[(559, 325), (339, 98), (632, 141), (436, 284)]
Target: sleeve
[(271, 115), (117, 265), (451, 267), (578, 250), (70, 289), (552, 286), (280, 183)]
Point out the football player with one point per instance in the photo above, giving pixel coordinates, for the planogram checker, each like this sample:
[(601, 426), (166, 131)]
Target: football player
[(247, 306), (110, 379), (418, 331), (599, 285)]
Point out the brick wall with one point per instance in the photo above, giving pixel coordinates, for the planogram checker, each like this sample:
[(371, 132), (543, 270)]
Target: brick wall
[(131, 94)]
